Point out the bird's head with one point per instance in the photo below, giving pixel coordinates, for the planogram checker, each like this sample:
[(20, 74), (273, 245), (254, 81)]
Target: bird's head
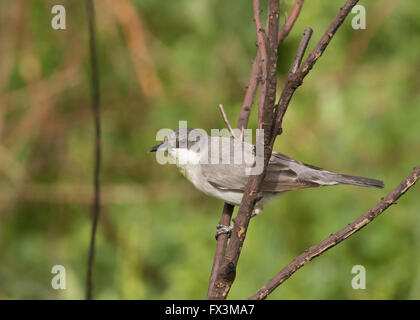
[(184, 138)]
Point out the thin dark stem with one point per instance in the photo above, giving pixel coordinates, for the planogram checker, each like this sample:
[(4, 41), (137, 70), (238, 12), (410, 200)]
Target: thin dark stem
[(97, 144), (337, 237), (301, 49), (255, 77), (222, 240), (294, 14), (294, 80)]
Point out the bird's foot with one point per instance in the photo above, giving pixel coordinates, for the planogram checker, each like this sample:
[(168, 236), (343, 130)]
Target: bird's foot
[(221, 229), (256, 212)]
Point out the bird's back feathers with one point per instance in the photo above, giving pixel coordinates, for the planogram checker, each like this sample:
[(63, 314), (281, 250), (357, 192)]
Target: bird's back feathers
[(283, 174)]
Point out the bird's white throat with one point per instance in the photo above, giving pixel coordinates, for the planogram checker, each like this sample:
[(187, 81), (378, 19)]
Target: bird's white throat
[(183, 158), (187, 162)]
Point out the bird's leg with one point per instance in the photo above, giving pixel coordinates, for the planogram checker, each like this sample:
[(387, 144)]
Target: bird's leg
[(258, 206), (256, 212), (221, 229)]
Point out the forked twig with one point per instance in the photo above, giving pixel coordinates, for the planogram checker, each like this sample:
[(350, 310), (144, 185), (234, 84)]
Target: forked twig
[(255, 77)]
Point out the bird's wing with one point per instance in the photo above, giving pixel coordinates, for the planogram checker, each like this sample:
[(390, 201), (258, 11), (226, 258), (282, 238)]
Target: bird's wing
[(229, 176), (283, 173), (226, 177)]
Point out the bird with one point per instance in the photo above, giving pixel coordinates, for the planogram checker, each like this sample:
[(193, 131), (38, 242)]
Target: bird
[(207, 162)]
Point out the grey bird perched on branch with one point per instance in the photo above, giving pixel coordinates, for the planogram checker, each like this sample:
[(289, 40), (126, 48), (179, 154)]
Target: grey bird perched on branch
[(209, 163)]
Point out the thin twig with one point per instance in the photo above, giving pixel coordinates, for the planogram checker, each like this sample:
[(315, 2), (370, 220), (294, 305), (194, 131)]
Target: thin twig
[(225, 119), (338, 237), (255, 77), (262, 49), (284, 31), (294, 80), (301, 49), (97, 142)]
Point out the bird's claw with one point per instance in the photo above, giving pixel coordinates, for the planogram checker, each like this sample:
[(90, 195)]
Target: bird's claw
[(221, 229), (255, 213)]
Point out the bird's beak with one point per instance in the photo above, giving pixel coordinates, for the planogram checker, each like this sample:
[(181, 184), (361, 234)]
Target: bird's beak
[(155, 148)]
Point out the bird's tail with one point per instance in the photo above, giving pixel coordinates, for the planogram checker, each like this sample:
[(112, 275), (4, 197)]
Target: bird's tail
[(355, 181)]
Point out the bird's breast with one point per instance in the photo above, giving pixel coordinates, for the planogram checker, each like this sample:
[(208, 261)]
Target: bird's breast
[(188, 163)]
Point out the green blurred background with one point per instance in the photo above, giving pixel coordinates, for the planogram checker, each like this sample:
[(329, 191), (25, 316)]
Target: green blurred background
[(357, 112)]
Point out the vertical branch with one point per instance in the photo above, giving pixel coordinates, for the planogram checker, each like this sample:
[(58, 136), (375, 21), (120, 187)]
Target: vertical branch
[(222, 240), (97, 143), (270, 119), (255, 79), (263, 51), (268, 50)]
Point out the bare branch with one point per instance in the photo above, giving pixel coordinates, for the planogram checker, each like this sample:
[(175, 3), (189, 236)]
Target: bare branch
[(338, 237), (243, 123), (268, 50), (222, 240), (256, 67), (225, 119), (262, 50), (294, 80), (326, 38), (301, 49), (284, 31)]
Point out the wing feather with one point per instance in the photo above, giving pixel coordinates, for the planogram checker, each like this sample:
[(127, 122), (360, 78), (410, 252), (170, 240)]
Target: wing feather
[(280, 176), (283, 173)]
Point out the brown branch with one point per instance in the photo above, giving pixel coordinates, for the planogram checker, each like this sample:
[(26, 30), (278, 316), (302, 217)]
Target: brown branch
[(307, 34), (225, 119), (294, 80), (97, 142), (271, 125), (338, 237), (285, 30), (242, 125), (267, 44), (262, 50), (256, 67), (222, 240)]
